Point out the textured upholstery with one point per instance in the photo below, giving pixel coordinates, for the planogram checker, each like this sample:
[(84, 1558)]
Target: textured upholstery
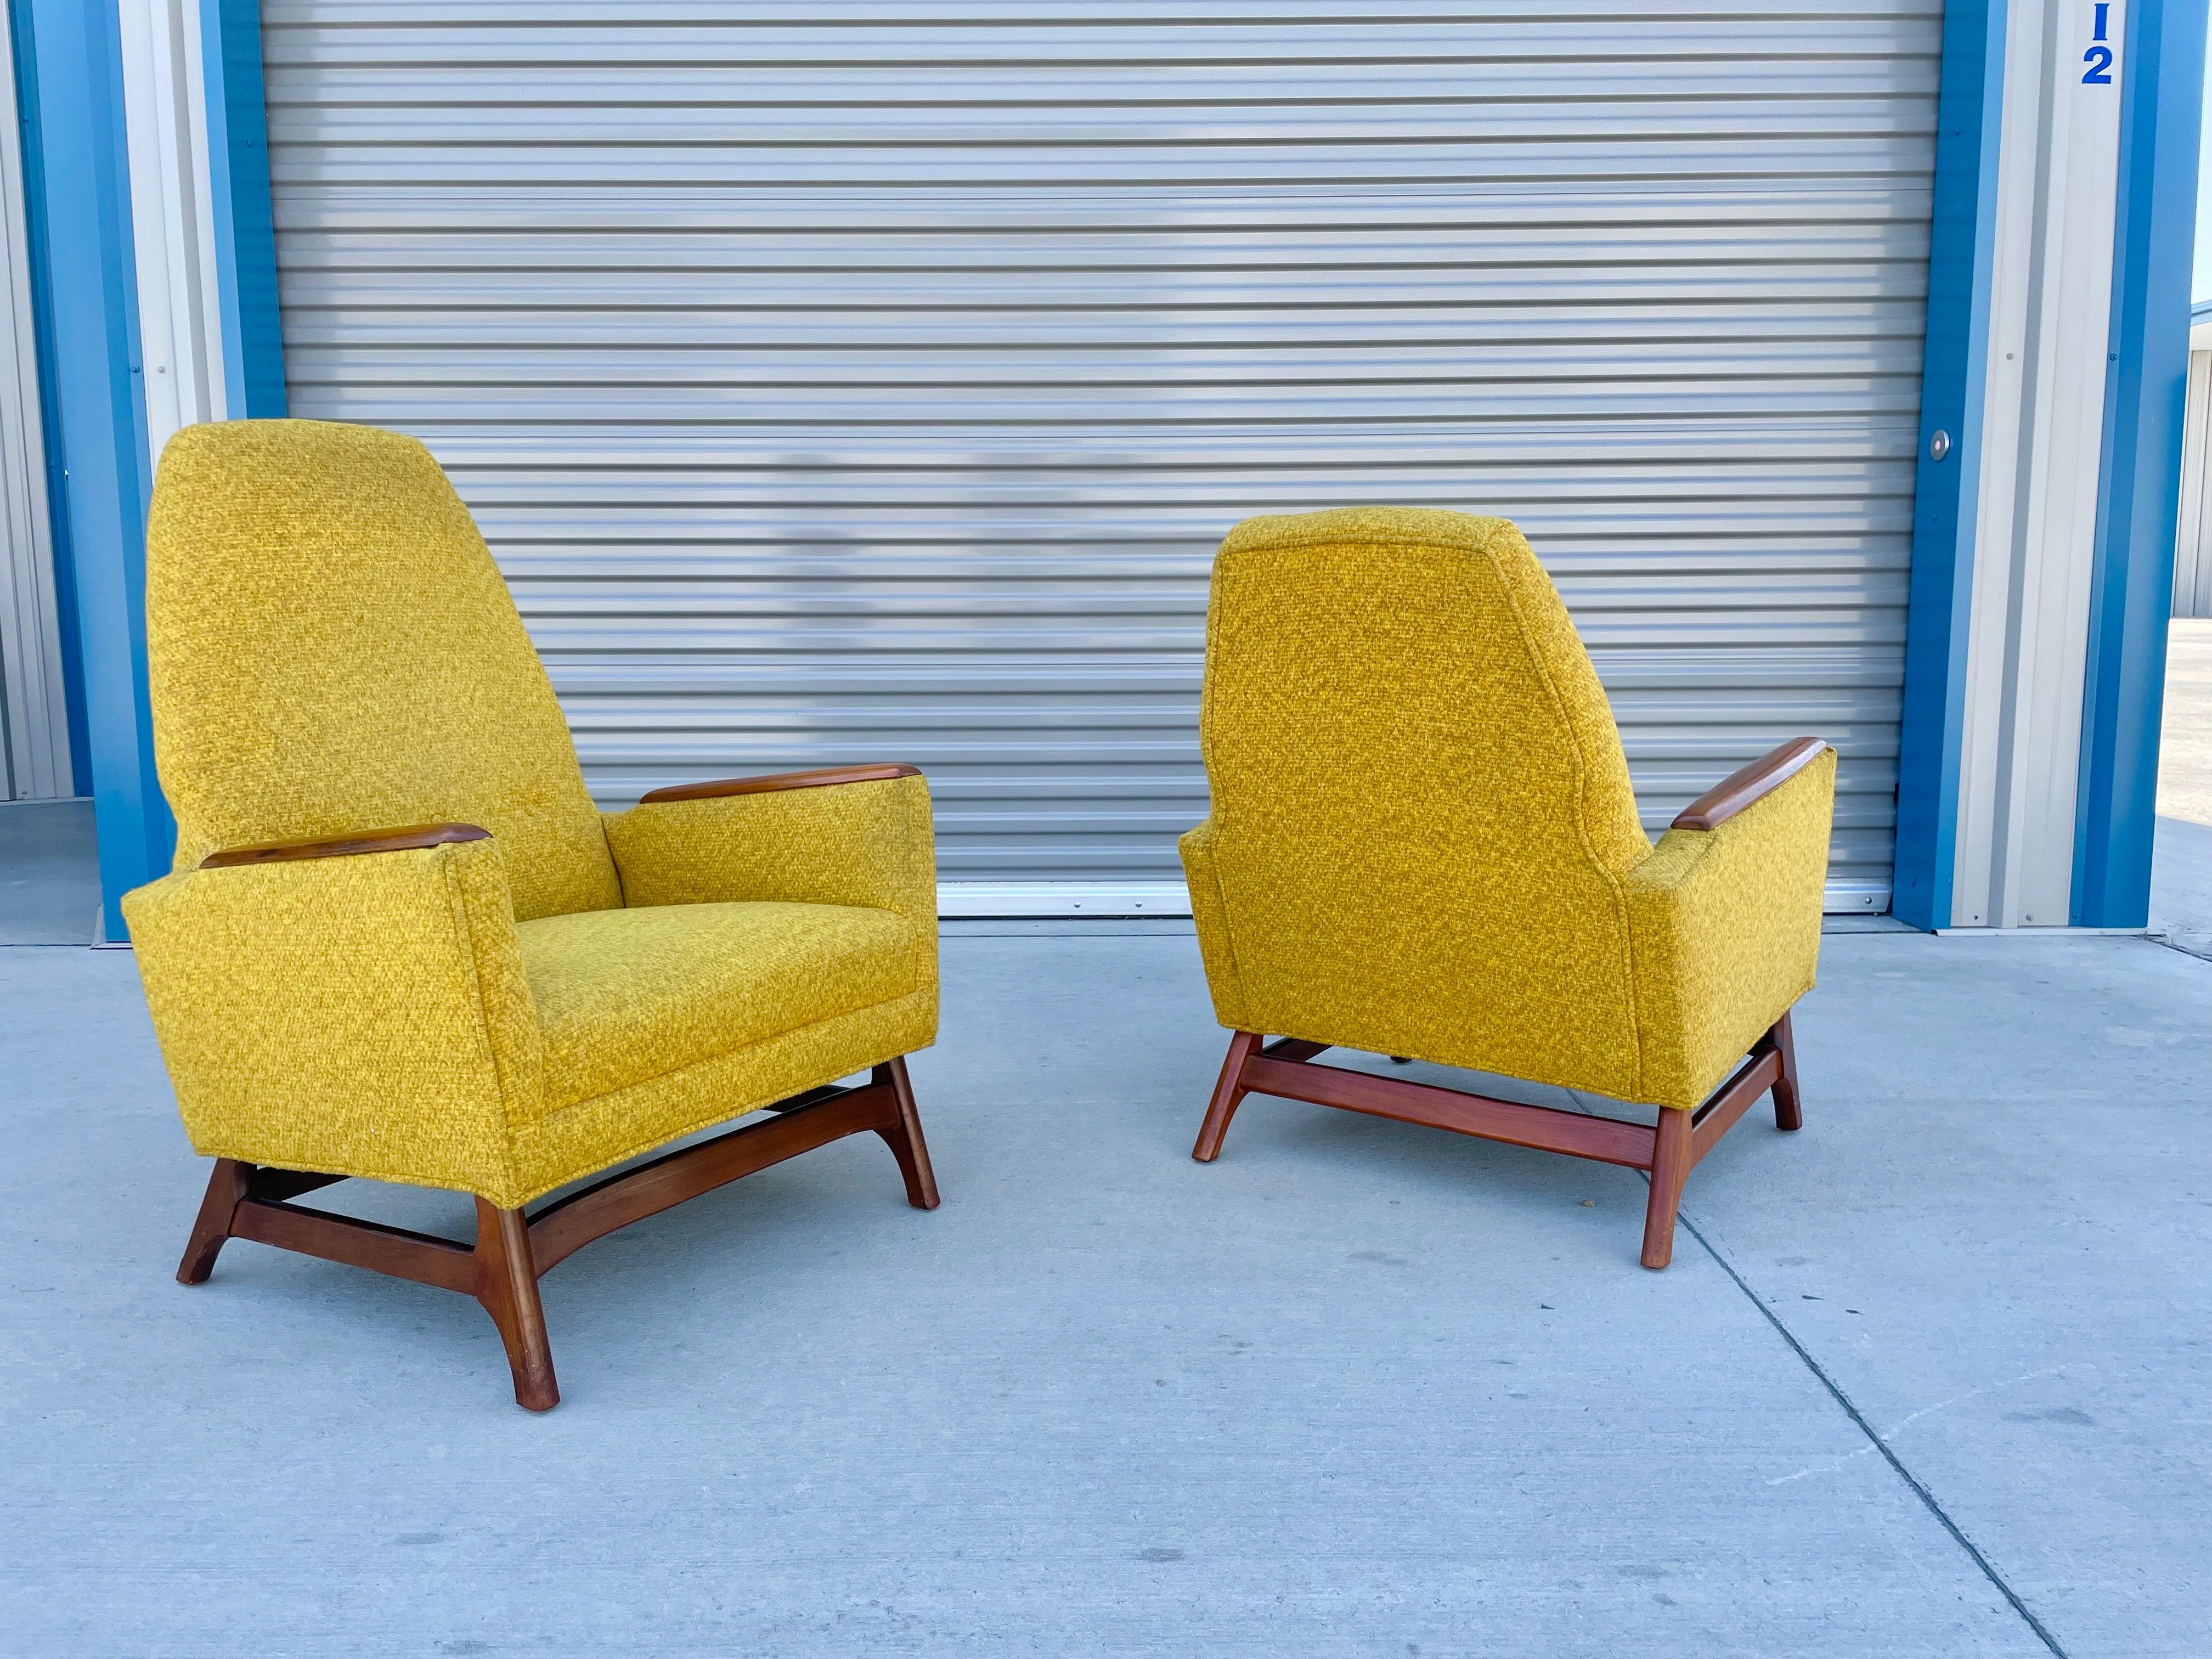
[(1422, 839), (624, 996), (333, 652), (331, 648)]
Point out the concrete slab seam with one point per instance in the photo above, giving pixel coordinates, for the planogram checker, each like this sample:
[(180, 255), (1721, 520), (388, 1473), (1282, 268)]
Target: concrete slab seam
[(1836, 1393)]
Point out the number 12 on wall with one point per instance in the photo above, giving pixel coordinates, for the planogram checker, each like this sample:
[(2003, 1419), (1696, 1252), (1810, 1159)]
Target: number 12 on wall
[(2099, 57)]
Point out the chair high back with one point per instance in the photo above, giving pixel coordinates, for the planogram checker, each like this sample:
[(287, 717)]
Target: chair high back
[(331, 650), (1421, 801)]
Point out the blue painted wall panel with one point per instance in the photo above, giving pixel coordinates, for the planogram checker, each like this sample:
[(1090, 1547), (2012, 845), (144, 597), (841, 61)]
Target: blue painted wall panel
[(1953, 374), (96, 415), (245, 225), (2131, 593)]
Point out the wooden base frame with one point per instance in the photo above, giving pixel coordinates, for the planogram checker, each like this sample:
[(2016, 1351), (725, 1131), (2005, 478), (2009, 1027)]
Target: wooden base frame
[(513, 1249), (1668, 1151)]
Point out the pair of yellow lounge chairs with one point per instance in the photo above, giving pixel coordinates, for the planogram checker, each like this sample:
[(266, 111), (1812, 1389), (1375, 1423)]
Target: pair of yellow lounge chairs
[(401, 943)]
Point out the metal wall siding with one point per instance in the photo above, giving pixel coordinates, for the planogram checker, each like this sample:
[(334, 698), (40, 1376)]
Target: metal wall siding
[(2192, 557), (862, 381)]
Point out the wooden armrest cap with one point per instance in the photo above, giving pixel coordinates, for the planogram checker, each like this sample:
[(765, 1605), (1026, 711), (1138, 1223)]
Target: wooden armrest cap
[(820, 777), (1741, 788), (341, 846)]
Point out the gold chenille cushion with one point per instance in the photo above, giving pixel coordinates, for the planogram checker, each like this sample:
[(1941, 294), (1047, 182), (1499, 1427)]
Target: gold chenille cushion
[(626, 996)]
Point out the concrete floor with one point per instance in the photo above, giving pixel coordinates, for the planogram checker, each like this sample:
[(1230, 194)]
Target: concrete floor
[(49, 873), (2184, 758), (1360, 1389)]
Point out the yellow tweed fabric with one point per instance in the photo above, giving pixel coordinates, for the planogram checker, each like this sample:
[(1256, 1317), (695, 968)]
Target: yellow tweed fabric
[(333, 651), (362, 1016), (608, 1128), (1726, 929), (1422, 839), (625, 995), (852, 843), (331, 648)]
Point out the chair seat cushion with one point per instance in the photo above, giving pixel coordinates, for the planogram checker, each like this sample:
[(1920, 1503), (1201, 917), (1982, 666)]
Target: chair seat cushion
[(625, 996)]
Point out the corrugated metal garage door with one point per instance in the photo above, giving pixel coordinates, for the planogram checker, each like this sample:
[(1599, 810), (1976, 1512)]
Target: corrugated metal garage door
[(844, 381)]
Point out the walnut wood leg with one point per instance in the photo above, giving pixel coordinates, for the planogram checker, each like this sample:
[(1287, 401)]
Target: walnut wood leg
[(1671, 1156), (1787, 1115), (1228, 1095), (905, 1141), (506, 1284), (225, 1188)]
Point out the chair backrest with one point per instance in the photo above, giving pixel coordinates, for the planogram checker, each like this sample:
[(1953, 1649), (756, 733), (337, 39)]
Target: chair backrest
[(331, 649), (1421, 808)]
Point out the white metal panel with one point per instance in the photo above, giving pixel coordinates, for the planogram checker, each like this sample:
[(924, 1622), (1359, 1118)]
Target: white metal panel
[(171, 227), (34, 748), (2192, 559), (2049, 308), (843, 380)]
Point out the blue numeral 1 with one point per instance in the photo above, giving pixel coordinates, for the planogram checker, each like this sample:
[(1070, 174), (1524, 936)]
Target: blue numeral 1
[(2099, 58)]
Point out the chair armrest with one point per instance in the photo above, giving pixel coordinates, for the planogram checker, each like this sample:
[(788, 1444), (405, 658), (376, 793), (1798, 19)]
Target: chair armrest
[(825, 837), (1749, 783), (1725, 925), (820, 777), (356, 1014), (346, 847)]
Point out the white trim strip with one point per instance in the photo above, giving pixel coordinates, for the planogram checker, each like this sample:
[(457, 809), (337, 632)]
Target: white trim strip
[(1040, 900)]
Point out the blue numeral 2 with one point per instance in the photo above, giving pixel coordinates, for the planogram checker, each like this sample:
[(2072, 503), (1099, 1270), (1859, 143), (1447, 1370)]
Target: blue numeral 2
[(2099, 72)]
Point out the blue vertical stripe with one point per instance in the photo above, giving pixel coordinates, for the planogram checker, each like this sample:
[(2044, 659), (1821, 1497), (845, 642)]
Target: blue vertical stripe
[(96, 419), (2161, 75), (244, 224), (1969, 111)]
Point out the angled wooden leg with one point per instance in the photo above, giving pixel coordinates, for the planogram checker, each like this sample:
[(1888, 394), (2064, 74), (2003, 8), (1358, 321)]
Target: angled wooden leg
[(225, 1188), (1228, 1094), (506, 1284), (1787, 1115), (1671, 1156), (905, 1141)]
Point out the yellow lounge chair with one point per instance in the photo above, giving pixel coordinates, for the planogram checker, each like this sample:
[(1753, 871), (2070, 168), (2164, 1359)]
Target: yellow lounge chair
[(1423, 844), (399, 940)]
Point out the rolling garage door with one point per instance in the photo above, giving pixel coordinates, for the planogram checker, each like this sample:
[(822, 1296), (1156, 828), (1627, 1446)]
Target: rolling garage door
[(845, 380)]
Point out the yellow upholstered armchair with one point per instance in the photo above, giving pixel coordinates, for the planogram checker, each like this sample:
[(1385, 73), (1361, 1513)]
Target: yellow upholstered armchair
[(1423, 844), (400, 942)]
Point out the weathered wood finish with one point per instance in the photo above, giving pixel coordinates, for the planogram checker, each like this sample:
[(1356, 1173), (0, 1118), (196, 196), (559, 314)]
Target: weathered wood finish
[(346, 846), (1746, 784), (1668, 1151), (515, 1249), (821, 777)]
